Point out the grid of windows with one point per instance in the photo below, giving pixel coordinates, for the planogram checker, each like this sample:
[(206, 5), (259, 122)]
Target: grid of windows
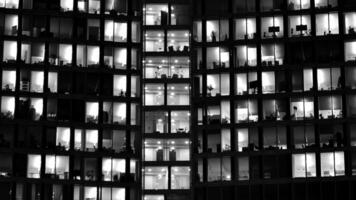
[(70, 99), (273, 99)]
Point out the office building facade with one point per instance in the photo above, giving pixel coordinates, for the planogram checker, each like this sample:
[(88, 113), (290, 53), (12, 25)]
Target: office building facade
[(177, 99)]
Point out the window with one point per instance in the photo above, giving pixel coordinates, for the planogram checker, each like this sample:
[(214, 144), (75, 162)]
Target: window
[(120, 85), (275, 138), (327, 24), (92, 112), (94, 6), (33, 166), (178, 41), (60, 54), (155, 178), (179, 14), (352, 132), (302, 108), (180, 121), (178, 94), (351, 109), (332, 164), (7, 107), (246, 56), (115, 31), (63, 138), (8, 80), (180, 178), (325, 4), (247, 139), (302, 80), (154, 94), (330, 107), (272, 26), (167, 150), (331, 136), (57, 166), (156, 122), (11, 25), (246, 83), (10, 51), (161, 67), (52, 82), (271, 5), (350, 51), (298, 4), (217, 31), (303, 137), (299, 25), (156, 14), (114, 141), (113, 169), (114, 7), (329, 79), (93, 29), (303, 165), (12, 4), (218, 85), (272, 54), (350, 23), (219, 169), (246, 111), (154, 41), (88, 141), (66, 5), (61, 28), (217, 57), (275, 109), (90, 169), (350, 78), (245, 29), (243, 168), (240, 6), (197, 31)]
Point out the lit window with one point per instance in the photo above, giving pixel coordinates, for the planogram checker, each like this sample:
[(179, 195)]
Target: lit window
[(156, 14), (332, 164), (178, 94), (246, 83), (52, 82), (350, 23), (11, 25), (350, 51), (113, 169), (63, 137), (92, 112), (7, 107), (298, 4), (155, 178), (66, 5), (272, 54), (327, 24), (58, 166), (246, 56), (115, 7), (90, 193), (120, 85), (218, 57), (302, 108), (180, 178), (299, 25), (321, 4), (154, 94), (180, 122), (154, 41), (13, 4), (272, 27), (119, 113), (33, 166), (303, 165), (112, 193), (94, 6), (178, 41), (91, 140), (156, 122), (330, 107), (217, 30), (8, 80), (245, 29), (246, 111), (247, 139), (10, 51)]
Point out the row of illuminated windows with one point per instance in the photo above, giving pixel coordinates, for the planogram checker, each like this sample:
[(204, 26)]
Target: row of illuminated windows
[(295, 108), (57, 191), (112, 7), (33, 81), (170, 41), (31, 108), (67, 139), (243, 6), (275, 138), (272, 27), (161, 14), (35, 26), (166, 150), (328, 79), (166, 67), (174, 94), (156, 178), (62, 55), (271, 55), (161, 122), (249, 168)]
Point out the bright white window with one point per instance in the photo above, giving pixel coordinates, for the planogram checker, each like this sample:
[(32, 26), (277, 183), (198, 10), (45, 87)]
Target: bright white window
[(33, 166), (303, 165), (10, 51), (332, 164), (8, 80), (113, 169), (67, 5)]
